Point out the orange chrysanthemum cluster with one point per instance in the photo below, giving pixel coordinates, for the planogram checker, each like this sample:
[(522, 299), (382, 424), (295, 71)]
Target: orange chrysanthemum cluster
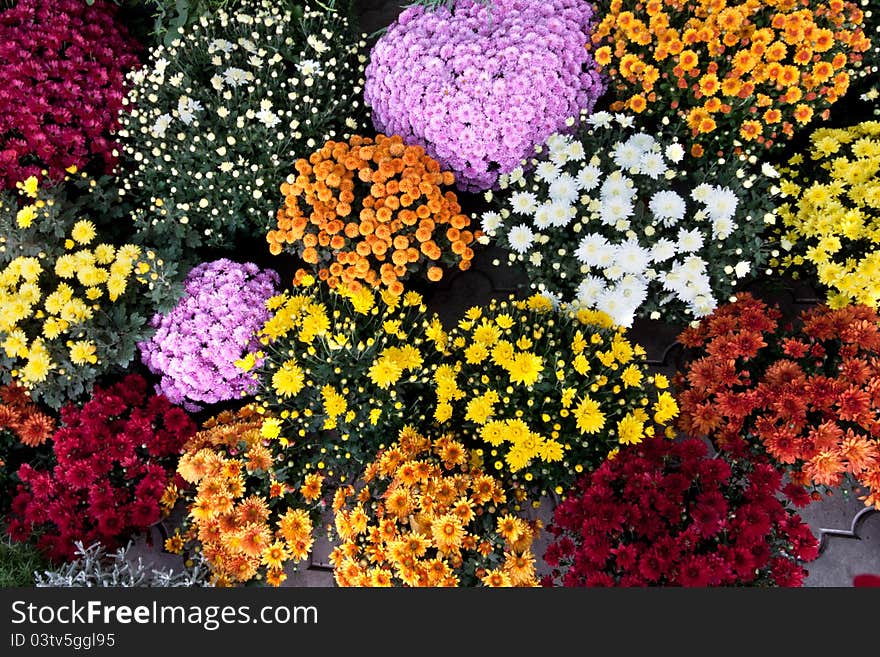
[(20, 415), (748, 70), (426, 516), (242, 515), (372, 212), (809, 397)]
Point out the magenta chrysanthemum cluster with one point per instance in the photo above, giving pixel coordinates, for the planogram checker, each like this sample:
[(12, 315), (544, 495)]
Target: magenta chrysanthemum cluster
[(62, 64), (481, 85), (213, 325)]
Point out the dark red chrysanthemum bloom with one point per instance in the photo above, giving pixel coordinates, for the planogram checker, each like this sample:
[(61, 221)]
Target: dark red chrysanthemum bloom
[(728, 526), (113, 462), (62, 68)]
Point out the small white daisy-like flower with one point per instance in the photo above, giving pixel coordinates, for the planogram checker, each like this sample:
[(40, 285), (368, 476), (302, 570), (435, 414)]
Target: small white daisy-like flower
[(236, 77), (643, 141), (722, 203), (564, 189), (186, 109), (675, 152), (267, 118), (589, 289), (523, 202), (742, 268), (542, 216), (702, 192), (161, 125), (624, 120), (217, 82), (546, 171), (668, 207), (690, 241), (308, 67), (621, 310), (521, 238), (588, 177), (600, 119), (617, 185), (652, 165), (626, 155), (594, 250), (561, 214), (722, 228), (220, 44), (614, 209), (632, 257), (576, 151), (318, 45), (491, 222)]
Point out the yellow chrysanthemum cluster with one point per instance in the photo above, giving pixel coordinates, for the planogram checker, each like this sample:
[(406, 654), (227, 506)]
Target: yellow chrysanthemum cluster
[(832, 216), (336, 363), (426, 517), (44, 298), (548, 393), (241, 513)]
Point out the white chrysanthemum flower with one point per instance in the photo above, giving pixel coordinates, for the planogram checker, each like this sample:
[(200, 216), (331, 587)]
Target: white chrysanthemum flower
[(546, 171), (616, 185), (742, 268), (668, 207), (576, 151), (542, 216), (521, 238), (267, 118), (557, 148), (675, 152), (588, 177), (217, 82), (589, 289), (626, 155), (594, 250), (633, 288), (161, 125), (564, 189), (621, 310), (615, 209), (703, 304), (600, 119), (186, 109), (220, 44), (702, 192), (632, 257), (523, 202), (643, 141), (663, 249), (561, 214), (317, 44), (491, 222), (625, 120), (690, 241), (722, 203), (768, 170), (236, 77), (160, 66), (536, 258), (722, 228), (309, 68), (652, 165)]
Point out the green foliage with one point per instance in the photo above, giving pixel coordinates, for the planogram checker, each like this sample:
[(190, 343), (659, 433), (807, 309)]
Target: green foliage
[(18, 563)]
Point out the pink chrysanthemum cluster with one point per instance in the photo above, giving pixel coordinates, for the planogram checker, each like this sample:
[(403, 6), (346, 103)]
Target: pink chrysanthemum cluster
[(481, 85)]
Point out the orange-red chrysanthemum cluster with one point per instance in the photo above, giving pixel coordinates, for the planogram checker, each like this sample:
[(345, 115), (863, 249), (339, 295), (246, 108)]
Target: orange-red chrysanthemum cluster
[(372, 212), (19, 414), (810, 397)]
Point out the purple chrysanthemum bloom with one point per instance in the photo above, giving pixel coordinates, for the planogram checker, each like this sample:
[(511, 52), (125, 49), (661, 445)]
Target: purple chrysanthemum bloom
[(480, 86), (214, 324)]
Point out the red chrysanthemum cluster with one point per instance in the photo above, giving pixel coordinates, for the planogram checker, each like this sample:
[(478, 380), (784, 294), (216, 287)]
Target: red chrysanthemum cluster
[(114, 458), (62, 67), (806, 394), (664, 513)]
